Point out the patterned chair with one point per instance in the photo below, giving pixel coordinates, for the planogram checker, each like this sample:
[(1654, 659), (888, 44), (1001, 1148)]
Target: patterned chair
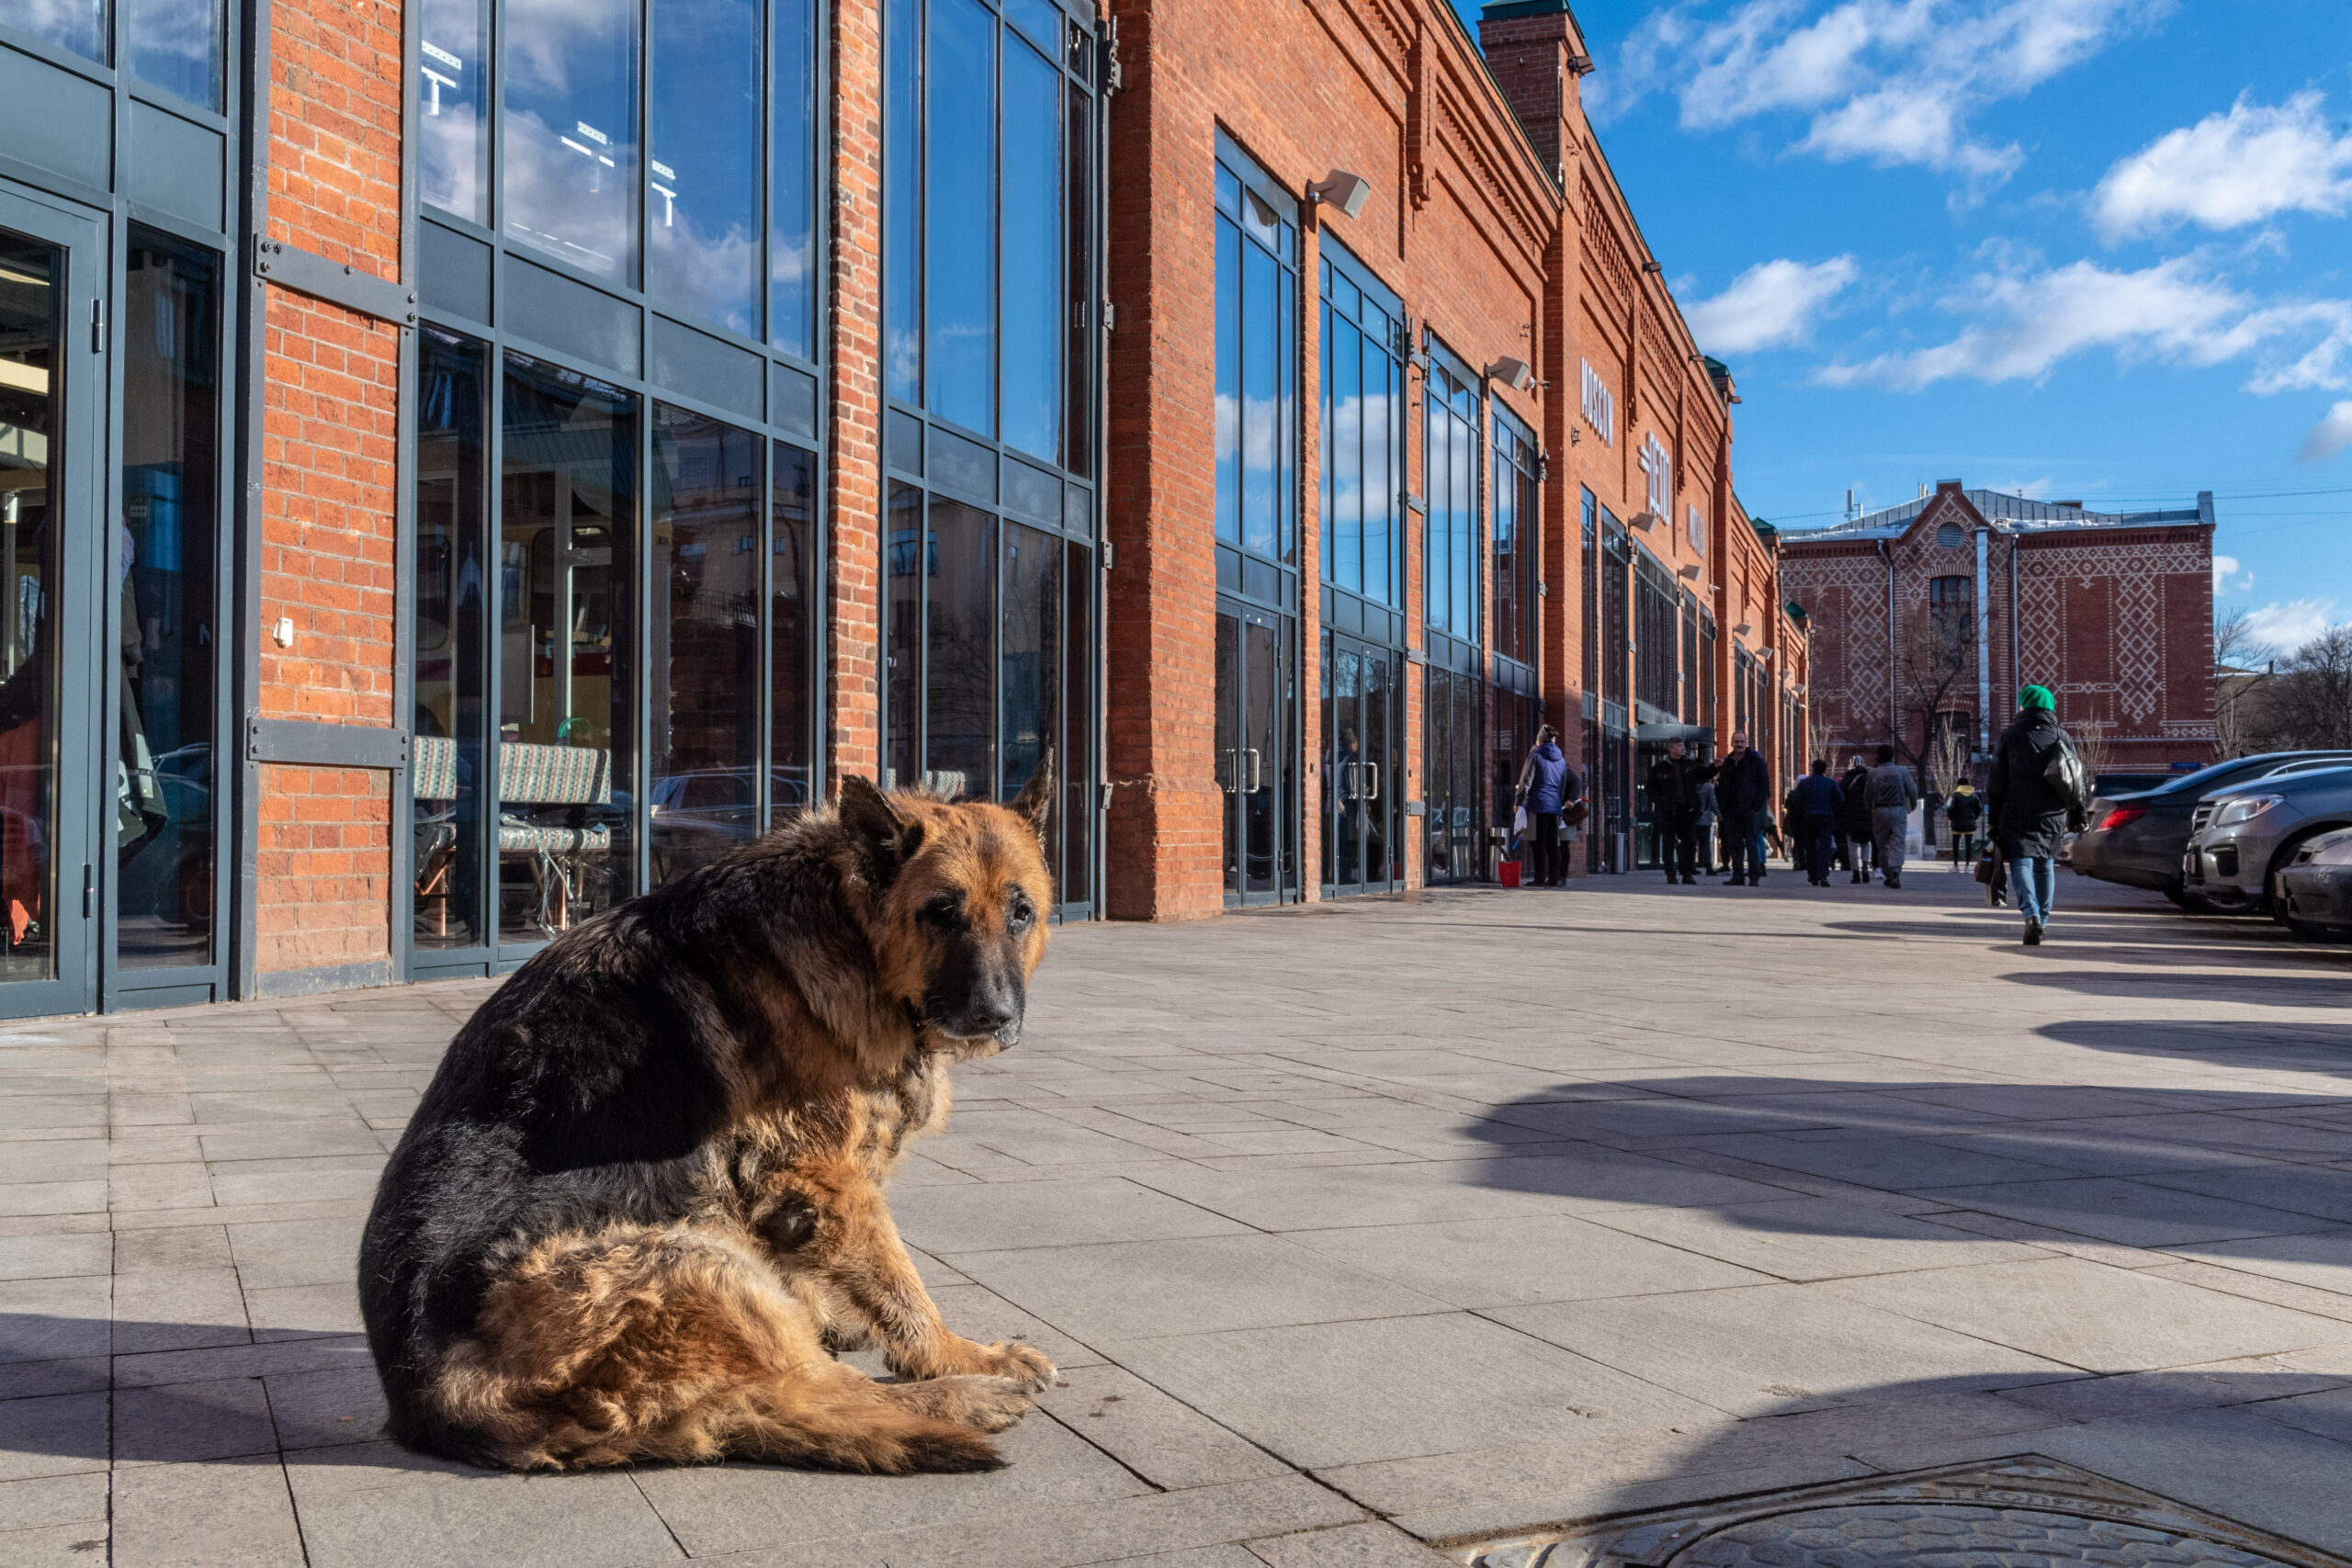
[(433, 776), (560, 847)]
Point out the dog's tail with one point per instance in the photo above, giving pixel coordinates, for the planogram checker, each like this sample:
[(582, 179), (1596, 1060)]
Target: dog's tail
[(826, 1421)]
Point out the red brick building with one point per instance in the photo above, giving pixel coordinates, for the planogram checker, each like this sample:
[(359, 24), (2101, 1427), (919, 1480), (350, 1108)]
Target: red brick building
[(1926, 618), (465, 462)]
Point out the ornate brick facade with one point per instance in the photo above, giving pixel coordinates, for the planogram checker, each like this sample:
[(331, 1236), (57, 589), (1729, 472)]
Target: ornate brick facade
[(2112, 611)]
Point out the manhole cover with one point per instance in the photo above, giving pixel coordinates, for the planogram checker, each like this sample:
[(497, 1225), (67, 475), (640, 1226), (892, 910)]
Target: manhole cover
[(2018, 1513)]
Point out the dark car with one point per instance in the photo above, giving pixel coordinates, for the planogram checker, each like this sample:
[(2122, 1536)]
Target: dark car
[(2315, 886), (2137, 840)]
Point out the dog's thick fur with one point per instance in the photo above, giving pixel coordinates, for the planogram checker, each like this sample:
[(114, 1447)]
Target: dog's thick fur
[(641, 1203)]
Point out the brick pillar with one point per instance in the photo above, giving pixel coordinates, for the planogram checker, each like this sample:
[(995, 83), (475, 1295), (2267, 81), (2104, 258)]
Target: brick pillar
[(329, 454), (1529, 45), (853, 337), (1164, 841)]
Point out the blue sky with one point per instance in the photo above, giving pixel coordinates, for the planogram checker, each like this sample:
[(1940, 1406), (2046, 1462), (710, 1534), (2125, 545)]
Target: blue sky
[(2095, 249)]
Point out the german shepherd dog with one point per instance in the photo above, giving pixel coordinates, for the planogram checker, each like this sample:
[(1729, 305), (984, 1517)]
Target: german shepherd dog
[(640, 1206)]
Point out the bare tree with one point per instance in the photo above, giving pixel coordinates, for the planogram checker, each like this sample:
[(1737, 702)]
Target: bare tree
[(1935, 676), (2308, 704), (2236, 685), (2094, 744)]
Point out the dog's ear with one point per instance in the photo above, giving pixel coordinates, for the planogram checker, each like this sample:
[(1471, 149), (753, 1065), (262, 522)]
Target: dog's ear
[(1036, 796), (882, 840)]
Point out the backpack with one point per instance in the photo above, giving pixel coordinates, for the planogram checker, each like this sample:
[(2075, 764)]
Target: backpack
[(2063, 775)]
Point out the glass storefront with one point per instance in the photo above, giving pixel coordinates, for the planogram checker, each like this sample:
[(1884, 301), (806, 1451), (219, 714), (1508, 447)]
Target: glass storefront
[(991, 208)]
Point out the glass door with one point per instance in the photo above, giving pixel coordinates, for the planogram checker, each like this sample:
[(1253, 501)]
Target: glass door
[(1362, 767), (1253, 769), (50, 377)]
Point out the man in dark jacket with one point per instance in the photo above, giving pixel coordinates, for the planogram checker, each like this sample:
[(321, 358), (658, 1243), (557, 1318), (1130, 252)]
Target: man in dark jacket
[(1674, 809), (2029, 816), (1854, 820), (1814, 808), (1892, 793), (1744, 793)]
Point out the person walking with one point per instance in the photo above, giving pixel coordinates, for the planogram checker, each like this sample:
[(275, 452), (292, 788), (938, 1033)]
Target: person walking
[(1815, 805), (1744, 792), (1854, 822), (1546, 784), (1674, 811), (2031, 804), (1963, 812), (1892, 793), (1709, 815)]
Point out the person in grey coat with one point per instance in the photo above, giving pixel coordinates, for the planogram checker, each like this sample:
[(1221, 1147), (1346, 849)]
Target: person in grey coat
[(1892, 792)]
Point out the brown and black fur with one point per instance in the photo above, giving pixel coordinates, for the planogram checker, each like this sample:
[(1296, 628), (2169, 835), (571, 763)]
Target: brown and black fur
[(641, 1203)]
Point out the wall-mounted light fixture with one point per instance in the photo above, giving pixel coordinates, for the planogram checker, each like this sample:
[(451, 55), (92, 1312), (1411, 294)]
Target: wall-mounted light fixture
[(1516, 374), (1742, 630), (1341, 189), (1689, 572), (1580, 63), (1653, 268), (1766, 653)]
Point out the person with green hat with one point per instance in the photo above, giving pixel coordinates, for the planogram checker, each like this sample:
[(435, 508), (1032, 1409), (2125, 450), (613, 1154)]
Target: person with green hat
[(2036, 793)]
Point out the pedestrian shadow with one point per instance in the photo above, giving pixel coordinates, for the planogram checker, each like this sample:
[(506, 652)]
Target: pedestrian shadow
[(1716, 1154), (2235, 990)]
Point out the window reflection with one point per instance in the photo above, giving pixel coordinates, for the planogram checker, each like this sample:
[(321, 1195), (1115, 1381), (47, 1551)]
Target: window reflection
[(702, 205), (793, 633), (902, 201), (79, 26), (1032, 236), (959, 339), (31, 421), (570, 110), (1363, 399), (959, 651), (447, 642), (704, 749), (906, 557), (1256, 369), (1449, 480), (567, 641), (174, 45), (792, 255), (164, 815), (453, 101)]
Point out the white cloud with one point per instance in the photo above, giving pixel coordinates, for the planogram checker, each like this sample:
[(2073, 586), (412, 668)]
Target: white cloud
[(2229, 577), (2229, 170), (1890, 80), (2329, 437), (2028, 321), (2285, 626), (1770, 304)]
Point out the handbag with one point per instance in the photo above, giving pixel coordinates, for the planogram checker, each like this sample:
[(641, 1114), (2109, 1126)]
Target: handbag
[(1573, 813), (2063, 776), (1985, 869)]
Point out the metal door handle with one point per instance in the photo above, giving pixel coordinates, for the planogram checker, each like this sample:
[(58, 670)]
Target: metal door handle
[(1374, 768), (1257, 769), (1231, 780)]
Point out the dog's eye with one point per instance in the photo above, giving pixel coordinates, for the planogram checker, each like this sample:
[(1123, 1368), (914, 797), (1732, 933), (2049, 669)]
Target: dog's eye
[(1021, 915), (945, 911)]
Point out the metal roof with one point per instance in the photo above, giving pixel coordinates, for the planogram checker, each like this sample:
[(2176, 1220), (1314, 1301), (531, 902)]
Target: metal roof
[(2010, 514)]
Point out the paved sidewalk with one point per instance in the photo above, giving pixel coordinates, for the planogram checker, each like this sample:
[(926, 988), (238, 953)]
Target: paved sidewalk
[(1353, 1227)]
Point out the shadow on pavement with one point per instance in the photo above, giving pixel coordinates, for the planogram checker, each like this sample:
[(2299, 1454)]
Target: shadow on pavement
[(2270, 1047), (2237, 990), (2145, 1168)]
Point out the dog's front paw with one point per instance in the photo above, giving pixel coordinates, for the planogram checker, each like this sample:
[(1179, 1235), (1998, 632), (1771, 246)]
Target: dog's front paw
[(1024, 1364)]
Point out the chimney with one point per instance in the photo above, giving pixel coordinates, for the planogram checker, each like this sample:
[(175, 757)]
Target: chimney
[(1537, 54)]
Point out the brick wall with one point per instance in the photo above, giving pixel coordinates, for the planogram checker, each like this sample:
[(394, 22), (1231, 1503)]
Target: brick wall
[(329, 463), (854, 488)]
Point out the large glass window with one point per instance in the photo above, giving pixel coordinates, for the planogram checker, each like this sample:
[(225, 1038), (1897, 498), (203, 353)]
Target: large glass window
[(987, 171), (568, 646), (1450, 483), (79, 26), (704, 749), (32, 422), (1257, 371), (792, 255), (174, 45), (452, 93), (571, 174), (703, 161), (792, 624), (1517, 524), (167, 818), (1364, 445), (447, 638)]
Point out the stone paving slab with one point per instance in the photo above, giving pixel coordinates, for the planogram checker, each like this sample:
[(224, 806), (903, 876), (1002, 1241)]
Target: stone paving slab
[(1361, 1233)]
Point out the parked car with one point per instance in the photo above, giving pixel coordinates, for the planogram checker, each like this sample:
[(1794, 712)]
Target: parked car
[(2137, 840), (2315, 886), (2241, 838)]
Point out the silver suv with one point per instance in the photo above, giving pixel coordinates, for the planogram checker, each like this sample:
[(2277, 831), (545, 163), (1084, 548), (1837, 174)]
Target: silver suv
[(2243, 836)]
